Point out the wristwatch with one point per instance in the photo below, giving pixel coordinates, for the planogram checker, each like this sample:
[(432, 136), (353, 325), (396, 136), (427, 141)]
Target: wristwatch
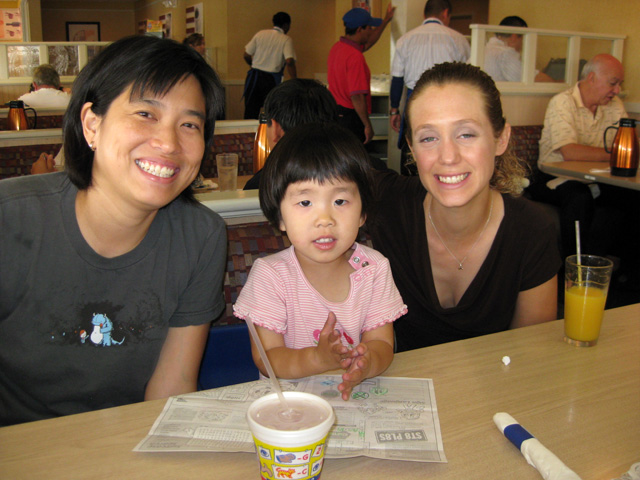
[(394, 111)]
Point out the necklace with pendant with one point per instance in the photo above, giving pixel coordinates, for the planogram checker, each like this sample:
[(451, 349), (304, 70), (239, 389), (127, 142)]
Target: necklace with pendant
[(460, 262)]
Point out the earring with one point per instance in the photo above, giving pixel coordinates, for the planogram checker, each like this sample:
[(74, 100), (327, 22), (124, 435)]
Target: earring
[(92, 147)]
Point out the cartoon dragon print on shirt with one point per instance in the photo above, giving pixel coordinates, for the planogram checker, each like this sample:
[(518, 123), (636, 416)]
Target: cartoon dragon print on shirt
[(102, 328)]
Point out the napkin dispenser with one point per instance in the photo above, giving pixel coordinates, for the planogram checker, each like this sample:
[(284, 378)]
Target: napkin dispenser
[(624, 152), (17, 118)]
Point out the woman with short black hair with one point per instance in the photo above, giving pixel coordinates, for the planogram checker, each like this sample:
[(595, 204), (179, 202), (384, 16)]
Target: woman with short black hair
[(111, 273)]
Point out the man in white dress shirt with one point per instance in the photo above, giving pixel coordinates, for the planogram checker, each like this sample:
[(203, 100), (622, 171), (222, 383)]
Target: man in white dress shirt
[(502, 54), (421, 48), (268, 52)]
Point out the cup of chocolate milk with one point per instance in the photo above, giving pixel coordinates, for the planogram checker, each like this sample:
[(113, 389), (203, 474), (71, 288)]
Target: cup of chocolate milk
[(290, 442)]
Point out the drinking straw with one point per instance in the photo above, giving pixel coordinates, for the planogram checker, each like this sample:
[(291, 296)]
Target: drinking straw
[(267, 363), (578, 251)]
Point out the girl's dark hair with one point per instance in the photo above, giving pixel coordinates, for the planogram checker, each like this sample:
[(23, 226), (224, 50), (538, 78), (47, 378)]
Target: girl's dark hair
[(509, 171), (319, 152), (143, 63)]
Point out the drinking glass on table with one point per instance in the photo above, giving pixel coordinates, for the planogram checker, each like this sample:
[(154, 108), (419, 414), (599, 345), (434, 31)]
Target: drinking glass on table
[(587, 280), (227, 164)]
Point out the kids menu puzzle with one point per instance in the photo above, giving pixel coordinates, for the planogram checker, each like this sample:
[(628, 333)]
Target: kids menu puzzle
[(386, 417)]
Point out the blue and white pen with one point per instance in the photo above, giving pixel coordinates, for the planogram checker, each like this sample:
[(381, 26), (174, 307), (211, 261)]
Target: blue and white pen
[(536, 454)]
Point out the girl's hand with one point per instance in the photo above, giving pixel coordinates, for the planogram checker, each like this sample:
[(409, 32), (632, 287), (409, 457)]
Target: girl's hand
[(357, 371), (330, 351)]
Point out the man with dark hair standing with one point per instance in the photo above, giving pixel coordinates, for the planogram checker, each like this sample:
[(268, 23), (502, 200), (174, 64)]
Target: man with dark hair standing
[(348, 73), (420, 49), (267, 54)]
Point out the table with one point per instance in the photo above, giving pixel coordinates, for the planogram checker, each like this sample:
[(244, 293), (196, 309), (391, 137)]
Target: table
[(239, 206), (582, 171), (242, 181), (581, 403)]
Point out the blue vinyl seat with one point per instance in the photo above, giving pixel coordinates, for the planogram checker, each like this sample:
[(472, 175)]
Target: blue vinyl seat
[(227, 357)]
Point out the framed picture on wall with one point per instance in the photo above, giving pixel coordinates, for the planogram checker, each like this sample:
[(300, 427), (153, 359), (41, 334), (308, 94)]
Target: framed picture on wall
[(83, 31), (372, 6), (195, 19)]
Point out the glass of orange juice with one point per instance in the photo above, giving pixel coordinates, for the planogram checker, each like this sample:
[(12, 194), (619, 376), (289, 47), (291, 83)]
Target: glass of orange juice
[(587, 280)]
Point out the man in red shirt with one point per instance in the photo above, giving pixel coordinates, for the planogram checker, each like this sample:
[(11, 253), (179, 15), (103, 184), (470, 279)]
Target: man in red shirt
[(348, 74)]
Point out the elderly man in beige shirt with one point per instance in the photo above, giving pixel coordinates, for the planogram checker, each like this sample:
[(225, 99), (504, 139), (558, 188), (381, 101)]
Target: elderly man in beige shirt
[(574, 127), (573, 130), (576, 118)]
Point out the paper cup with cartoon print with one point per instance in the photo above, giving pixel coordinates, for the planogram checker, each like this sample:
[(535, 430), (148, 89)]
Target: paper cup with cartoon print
[(290, 445)]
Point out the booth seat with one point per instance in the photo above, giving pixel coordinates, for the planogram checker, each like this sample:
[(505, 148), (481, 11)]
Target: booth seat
[(227, 358), (525, 141)]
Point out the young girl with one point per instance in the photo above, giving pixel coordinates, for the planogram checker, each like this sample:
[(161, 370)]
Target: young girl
[(326, 302)]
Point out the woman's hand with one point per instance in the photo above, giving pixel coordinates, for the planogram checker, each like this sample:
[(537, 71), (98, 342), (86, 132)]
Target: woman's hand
[(44, 164)]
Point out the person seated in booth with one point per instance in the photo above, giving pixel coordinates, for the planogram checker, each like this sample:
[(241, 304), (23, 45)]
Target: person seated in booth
[(111, 271), (196, 41), (468, 254), (296, 102), (46, 90), (292, 103), (502, 54), (574, 126)]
